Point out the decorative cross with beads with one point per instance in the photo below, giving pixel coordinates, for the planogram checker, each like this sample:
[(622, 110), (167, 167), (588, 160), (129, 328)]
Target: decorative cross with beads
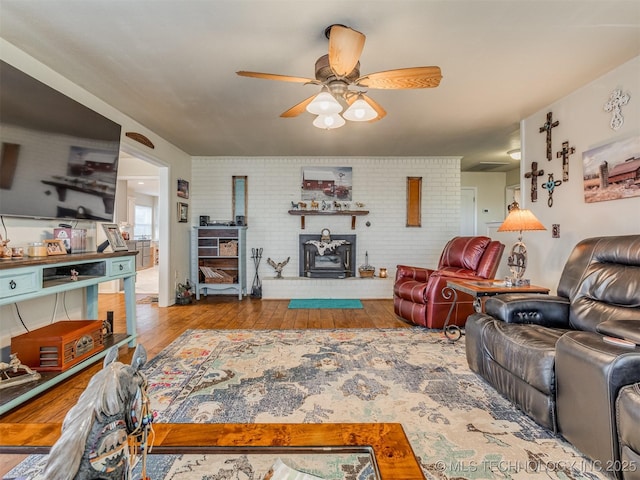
[(548, 125), (534, 183), (564, 154), (550, 185)]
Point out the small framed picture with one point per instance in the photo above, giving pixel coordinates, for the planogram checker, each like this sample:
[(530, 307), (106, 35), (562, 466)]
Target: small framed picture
[(183, 188), (183, 212), (114, 237), (55, 247)]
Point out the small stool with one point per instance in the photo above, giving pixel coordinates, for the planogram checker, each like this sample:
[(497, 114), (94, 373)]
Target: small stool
[(589, 373)]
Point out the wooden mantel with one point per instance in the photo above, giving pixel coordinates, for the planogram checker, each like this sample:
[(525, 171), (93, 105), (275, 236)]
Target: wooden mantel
[(352, 213)]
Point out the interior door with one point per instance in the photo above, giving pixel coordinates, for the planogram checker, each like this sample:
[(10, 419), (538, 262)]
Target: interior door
[(468, 212)]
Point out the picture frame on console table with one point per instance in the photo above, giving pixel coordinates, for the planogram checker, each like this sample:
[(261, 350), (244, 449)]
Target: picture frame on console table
[(55, 246), (114, 236)]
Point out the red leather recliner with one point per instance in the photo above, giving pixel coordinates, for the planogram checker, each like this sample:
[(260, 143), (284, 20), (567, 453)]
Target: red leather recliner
[(417, 292)]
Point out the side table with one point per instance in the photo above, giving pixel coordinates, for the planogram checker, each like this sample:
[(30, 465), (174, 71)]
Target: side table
[(478, 289)]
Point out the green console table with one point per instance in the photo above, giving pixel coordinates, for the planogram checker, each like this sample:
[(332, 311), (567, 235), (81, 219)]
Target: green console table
[(33, 277)]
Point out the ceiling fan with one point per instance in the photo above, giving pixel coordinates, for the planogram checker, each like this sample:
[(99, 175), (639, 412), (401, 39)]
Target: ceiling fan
[(338, 73)]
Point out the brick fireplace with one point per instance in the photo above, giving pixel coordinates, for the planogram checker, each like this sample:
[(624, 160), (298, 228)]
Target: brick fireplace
[(323, 258)]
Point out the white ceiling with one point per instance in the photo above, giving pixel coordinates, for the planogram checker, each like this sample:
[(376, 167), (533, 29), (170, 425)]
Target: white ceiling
[(171, 65), (142, 177)]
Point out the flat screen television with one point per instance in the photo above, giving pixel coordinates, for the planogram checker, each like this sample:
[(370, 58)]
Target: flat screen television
[(59, 158)]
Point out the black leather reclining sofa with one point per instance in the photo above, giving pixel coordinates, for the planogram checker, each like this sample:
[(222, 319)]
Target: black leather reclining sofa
[(572, 361)]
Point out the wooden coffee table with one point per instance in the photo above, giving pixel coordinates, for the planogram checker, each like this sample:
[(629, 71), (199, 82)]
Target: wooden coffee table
[(392, 452)]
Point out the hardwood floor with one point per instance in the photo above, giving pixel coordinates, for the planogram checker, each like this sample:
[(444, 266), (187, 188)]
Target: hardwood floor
[(157, 327)]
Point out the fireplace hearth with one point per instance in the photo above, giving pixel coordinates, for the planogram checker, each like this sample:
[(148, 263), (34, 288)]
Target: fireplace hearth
[(334, 258)]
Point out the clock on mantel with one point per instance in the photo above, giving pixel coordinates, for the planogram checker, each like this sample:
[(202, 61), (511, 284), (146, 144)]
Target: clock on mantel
[(353, 213)]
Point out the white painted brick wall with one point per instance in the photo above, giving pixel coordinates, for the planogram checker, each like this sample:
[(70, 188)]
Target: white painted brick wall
[(380, 183)]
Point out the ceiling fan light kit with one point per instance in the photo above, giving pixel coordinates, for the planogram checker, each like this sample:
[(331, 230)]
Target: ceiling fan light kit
[(360, 111), (329, 122), (324, 104), (339, 70)]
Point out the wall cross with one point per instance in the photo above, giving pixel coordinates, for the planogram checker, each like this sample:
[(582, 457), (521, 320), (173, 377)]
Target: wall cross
[(534, 183), (548, 125), (617, 100), (564, 154), (550, 185)]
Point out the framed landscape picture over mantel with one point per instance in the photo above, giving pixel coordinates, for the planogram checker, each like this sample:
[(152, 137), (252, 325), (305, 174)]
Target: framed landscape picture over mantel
[(327, 183), (612, 171)]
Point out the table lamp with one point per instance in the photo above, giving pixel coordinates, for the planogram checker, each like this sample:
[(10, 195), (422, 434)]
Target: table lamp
[(519, 220)]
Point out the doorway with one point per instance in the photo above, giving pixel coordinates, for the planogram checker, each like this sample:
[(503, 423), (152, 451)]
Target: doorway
[(143, 179), (512, 194)]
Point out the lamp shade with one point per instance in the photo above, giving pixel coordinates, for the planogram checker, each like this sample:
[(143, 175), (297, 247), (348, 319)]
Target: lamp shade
[(329, 122), (324, 104), (360, 111), (520, 220)]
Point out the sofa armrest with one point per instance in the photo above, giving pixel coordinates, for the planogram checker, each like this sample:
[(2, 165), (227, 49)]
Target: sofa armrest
[(413, 273), (545, 310), (628, 330)]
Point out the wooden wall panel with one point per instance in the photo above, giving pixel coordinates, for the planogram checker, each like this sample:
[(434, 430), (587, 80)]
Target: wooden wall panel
[(414, 201)]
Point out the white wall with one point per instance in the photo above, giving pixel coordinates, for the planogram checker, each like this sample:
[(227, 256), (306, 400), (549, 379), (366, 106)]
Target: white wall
[(490, 201), (512, 178), (380, 183), (37, 313), (585, 124)]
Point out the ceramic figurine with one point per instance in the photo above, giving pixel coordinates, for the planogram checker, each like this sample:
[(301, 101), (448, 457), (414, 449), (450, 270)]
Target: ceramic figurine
[(278, 266), (5, 250), (15, 373)]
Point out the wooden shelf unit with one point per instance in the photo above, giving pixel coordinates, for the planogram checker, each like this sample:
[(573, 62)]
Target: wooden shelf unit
[(210, 248)]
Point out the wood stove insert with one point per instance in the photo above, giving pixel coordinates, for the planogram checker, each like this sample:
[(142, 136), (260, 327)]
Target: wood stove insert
[(320, 258)]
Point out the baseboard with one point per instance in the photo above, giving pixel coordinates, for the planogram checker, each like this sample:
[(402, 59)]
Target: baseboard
[(301, 287)]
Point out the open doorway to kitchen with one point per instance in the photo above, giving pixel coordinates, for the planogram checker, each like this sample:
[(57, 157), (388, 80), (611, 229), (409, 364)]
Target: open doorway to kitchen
[(139, 215)]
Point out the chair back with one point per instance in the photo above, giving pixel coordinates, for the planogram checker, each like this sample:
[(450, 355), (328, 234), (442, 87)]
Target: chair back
[(477, 255), (490, 260), (602, 281)]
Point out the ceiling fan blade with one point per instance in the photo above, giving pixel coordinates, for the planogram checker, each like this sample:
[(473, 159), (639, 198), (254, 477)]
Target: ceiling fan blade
[(299, 108), (345, 47), (273, 76), (376, 106), (403, 78)]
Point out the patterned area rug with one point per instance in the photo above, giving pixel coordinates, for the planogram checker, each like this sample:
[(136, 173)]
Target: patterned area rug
[(458, 426)]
